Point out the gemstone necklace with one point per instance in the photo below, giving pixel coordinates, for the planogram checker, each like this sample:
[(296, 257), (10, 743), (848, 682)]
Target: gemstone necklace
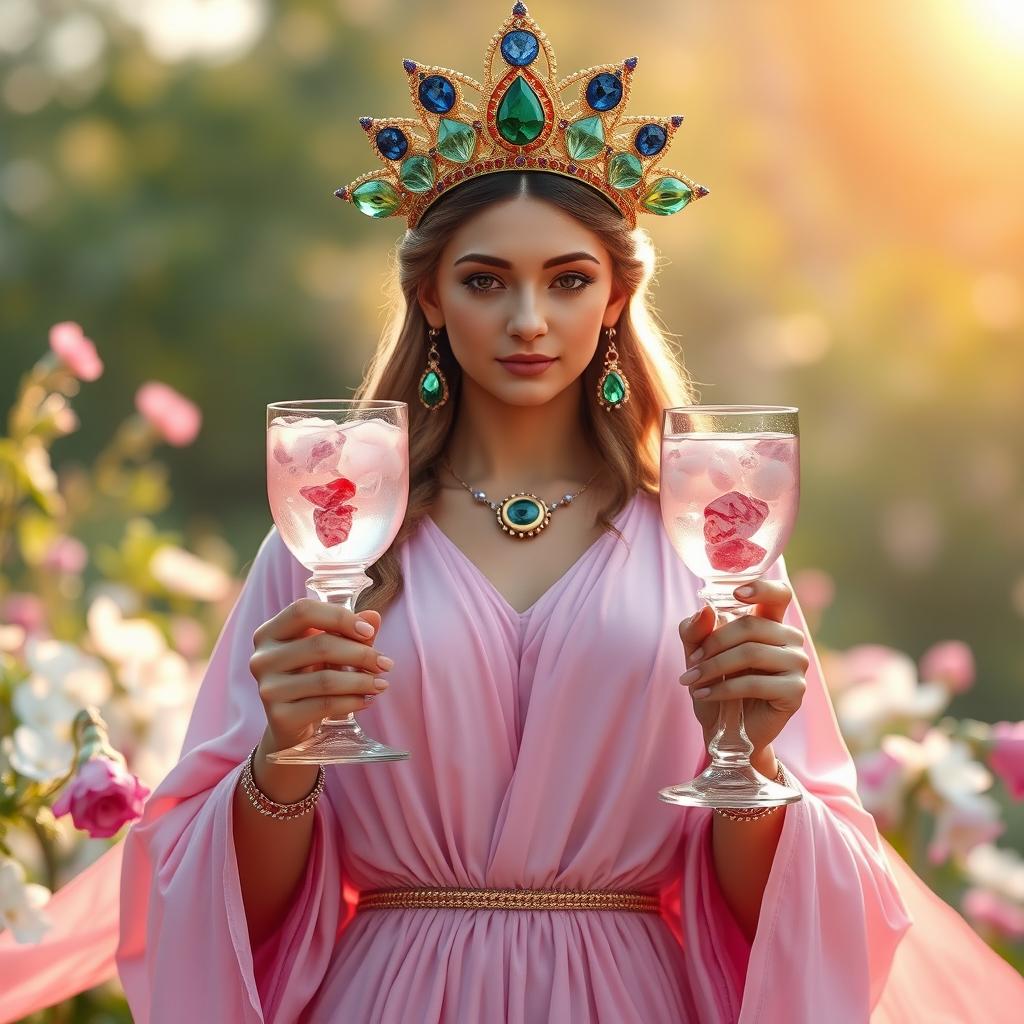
[(521, 514)]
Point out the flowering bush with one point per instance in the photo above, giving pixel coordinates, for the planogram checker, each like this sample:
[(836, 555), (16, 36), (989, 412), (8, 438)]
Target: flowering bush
[(925, 778), (101, 643)]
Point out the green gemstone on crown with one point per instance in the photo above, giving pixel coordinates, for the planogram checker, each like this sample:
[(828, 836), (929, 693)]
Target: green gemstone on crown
[(417, 174), (376, 198), (612, 388), (520, 117), (667, 195), (456, 141), (585, 138), (431, 390), (624, 171)]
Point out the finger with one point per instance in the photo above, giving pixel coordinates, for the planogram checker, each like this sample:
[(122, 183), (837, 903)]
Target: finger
[(695, 630), (290, 718), (306, 614), (746, 657), (751, 629), (290, 687), (771, 597), (321, 649), (790, 687)]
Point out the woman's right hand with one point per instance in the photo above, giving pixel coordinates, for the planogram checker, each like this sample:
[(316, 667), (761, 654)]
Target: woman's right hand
[(311, 662)]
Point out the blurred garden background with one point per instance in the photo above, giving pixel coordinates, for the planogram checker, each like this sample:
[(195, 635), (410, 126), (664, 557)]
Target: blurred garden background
[(166, 179)]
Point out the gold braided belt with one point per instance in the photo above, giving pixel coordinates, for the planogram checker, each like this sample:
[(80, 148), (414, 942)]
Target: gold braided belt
[(510, 899)]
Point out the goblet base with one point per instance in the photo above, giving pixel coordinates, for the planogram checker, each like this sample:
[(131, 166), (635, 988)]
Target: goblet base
[(338, 742), (732, 786)]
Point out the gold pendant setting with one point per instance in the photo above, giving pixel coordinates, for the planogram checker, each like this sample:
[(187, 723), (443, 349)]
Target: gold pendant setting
[(523, 515)]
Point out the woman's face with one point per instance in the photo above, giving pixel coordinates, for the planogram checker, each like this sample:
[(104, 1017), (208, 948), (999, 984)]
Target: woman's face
[(504, 288)]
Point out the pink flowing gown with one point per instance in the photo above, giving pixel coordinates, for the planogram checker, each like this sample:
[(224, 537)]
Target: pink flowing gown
[(539, 741)]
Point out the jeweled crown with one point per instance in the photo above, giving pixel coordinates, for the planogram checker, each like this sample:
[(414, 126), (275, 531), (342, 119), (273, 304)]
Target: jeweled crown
[(518, 120)]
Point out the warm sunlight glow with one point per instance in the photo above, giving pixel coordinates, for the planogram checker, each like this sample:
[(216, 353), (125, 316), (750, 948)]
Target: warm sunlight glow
[(1002, 20)]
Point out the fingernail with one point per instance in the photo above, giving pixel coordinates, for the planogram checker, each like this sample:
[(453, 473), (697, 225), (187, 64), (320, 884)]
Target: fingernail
[(702, 692), (689, 677), (697, 654), (363, 628), (744, 592), (381, 684), (385, 663)]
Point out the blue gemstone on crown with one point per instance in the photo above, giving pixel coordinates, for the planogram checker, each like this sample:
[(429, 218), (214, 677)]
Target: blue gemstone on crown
[(409, 65), (677, 120), (631, 63), (437, 94), (519, 10), (392, 143), (604, 92), (520, 48), (651, 139)]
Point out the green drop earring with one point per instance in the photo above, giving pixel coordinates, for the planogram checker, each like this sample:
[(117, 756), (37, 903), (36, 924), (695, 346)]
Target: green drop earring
[(433, 384), (613, 387)]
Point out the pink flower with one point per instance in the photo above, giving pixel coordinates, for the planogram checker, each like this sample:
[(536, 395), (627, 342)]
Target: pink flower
[(172, 415), (102, 797), (950, 663), (23, 609), (1006, 756), (881, 778), (995, 913), (66, 555), (815, 589), (75, 350)]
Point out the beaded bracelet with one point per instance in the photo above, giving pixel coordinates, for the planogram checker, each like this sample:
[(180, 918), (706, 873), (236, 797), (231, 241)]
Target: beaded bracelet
[(271, 808), (753, 813)]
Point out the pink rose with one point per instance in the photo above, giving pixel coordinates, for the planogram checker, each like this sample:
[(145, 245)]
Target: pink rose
[(171, 414), (950, 663), (1006, 756), (102, 797), (75, 350)]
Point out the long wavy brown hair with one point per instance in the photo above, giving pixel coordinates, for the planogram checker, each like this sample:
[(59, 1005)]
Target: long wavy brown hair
[(628, 439)]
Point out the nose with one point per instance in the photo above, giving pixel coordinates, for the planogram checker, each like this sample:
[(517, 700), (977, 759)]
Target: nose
[(527, 322)]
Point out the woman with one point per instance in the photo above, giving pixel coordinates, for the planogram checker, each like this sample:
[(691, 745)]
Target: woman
[(536, 684)]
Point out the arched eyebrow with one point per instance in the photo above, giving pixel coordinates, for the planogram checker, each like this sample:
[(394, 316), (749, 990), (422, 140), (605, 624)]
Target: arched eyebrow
[(497, 261)]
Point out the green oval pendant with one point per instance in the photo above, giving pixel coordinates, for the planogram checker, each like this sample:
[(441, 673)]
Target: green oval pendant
[(523, 515)]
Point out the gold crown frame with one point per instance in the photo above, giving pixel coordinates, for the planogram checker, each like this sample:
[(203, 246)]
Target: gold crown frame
[(520, 123)]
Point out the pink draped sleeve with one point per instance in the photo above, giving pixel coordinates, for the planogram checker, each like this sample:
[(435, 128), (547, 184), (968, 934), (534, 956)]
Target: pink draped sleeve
[(184, 951), (832, 914)]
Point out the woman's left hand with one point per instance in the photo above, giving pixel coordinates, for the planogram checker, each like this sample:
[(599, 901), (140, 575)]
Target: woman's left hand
[(761, 659)]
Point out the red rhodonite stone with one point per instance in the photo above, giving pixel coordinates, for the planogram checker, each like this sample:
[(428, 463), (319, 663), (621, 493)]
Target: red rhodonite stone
[(733, 515), (333, 525), (735, 554), (330, 495)]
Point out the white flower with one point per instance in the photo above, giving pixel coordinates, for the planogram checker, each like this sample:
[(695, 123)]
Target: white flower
[(42, 756), (998, 869), (21, 904), (877, 687), (961, 826), (119, 639), (181, 572), (952, 773), (40, 704), (80, 677)]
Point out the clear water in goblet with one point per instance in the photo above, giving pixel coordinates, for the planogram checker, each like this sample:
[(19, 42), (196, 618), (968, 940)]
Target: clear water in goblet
[(337, 491), (729, 500)]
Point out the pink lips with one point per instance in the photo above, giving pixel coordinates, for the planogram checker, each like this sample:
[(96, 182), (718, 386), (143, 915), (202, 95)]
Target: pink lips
[(530, 367)]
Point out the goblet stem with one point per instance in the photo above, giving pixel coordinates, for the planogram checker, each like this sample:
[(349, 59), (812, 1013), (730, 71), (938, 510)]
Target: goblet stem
[(338, 740)]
